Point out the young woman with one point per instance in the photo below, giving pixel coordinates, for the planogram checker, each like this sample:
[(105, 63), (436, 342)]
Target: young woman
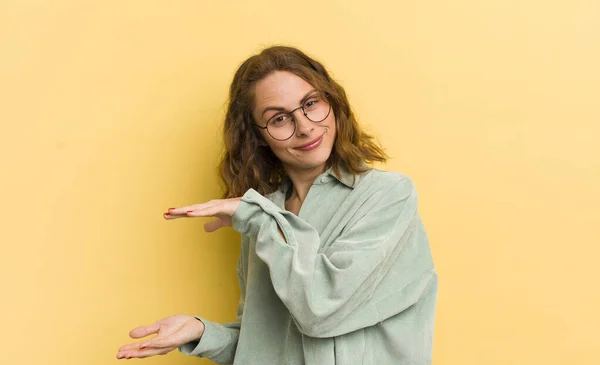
[(335, 266)]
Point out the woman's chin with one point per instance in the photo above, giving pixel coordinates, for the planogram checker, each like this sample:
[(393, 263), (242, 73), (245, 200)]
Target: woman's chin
[(306, 160), (309, 163)]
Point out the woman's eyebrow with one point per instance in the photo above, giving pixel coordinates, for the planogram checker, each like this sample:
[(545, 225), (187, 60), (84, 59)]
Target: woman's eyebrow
[(308, 94), (282, 109)]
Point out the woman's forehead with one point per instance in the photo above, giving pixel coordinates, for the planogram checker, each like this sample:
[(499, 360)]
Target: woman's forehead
[(281, 88)]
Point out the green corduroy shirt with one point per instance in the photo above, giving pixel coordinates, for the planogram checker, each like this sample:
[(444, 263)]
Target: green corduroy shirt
[(352, 283)]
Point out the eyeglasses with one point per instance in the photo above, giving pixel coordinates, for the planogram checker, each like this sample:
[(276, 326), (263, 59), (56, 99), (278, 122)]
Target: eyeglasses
[(282, 125)]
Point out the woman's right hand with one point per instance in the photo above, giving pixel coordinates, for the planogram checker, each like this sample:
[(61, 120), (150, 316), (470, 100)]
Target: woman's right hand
[(171, 332)]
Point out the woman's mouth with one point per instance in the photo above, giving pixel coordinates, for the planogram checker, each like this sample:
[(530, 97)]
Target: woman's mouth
[(310, 145)]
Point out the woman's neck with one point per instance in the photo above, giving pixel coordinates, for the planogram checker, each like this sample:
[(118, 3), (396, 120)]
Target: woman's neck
[(302, 180)]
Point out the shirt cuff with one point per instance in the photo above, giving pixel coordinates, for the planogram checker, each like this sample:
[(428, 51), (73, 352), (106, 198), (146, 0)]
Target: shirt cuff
[(212, 339), (252, 204)]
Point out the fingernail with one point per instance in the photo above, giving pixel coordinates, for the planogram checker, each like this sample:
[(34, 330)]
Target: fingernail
[(190, 211), (167, 213), (171, 208)]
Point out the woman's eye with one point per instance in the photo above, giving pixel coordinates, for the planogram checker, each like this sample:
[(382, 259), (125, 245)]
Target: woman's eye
[(279, 119), (311, 103)]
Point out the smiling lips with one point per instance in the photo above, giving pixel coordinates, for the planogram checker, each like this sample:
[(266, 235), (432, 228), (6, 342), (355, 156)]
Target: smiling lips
[(310, 145)]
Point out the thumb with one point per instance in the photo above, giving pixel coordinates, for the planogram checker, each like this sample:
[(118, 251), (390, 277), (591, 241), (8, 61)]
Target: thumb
[(144, 331), (213, 225)]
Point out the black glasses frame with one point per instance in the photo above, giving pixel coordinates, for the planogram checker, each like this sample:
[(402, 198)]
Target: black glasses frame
[(291, 114)]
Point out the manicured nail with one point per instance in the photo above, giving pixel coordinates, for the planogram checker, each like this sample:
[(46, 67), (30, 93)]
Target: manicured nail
[(171, 208), (167, 213), (190, 211)]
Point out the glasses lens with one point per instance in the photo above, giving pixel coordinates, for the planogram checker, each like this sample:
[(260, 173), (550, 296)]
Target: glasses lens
[(281, 126), (316, 108)]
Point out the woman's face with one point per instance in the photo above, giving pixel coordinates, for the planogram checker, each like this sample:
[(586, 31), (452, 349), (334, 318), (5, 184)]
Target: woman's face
[(310, 145)]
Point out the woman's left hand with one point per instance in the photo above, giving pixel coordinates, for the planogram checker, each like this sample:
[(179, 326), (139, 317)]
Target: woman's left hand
[(222, 209)]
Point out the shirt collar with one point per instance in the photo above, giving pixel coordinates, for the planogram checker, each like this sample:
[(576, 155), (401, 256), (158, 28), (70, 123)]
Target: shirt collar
[(344, 176)]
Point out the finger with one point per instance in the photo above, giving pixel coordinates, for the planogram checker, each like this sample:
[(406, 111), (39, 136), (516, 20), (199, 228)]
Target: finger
[(150, 344), (213, 225), (225, 207), (144, 331), (211, 211), (184, 210), (169, 216), (143, 353), (131, 346), (173, 214), (180, 210)]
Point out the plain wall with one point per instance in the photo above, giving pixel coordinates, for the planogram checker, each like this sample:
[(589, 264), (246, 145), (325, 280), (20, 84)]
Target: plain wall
[(111, 113)]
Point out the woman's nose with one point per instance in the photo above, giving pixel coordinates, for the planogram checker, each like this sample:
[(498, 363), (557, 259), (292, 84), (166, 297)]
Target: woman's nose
[(303, 125)]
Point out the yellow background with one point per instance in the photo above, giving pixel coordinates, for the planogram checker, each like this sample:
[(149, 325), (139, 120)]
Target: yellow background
[(110, 114)]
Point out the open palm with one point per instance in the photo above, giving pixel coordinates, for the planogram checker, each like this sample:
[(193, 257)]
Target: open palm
[(171, 333)]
